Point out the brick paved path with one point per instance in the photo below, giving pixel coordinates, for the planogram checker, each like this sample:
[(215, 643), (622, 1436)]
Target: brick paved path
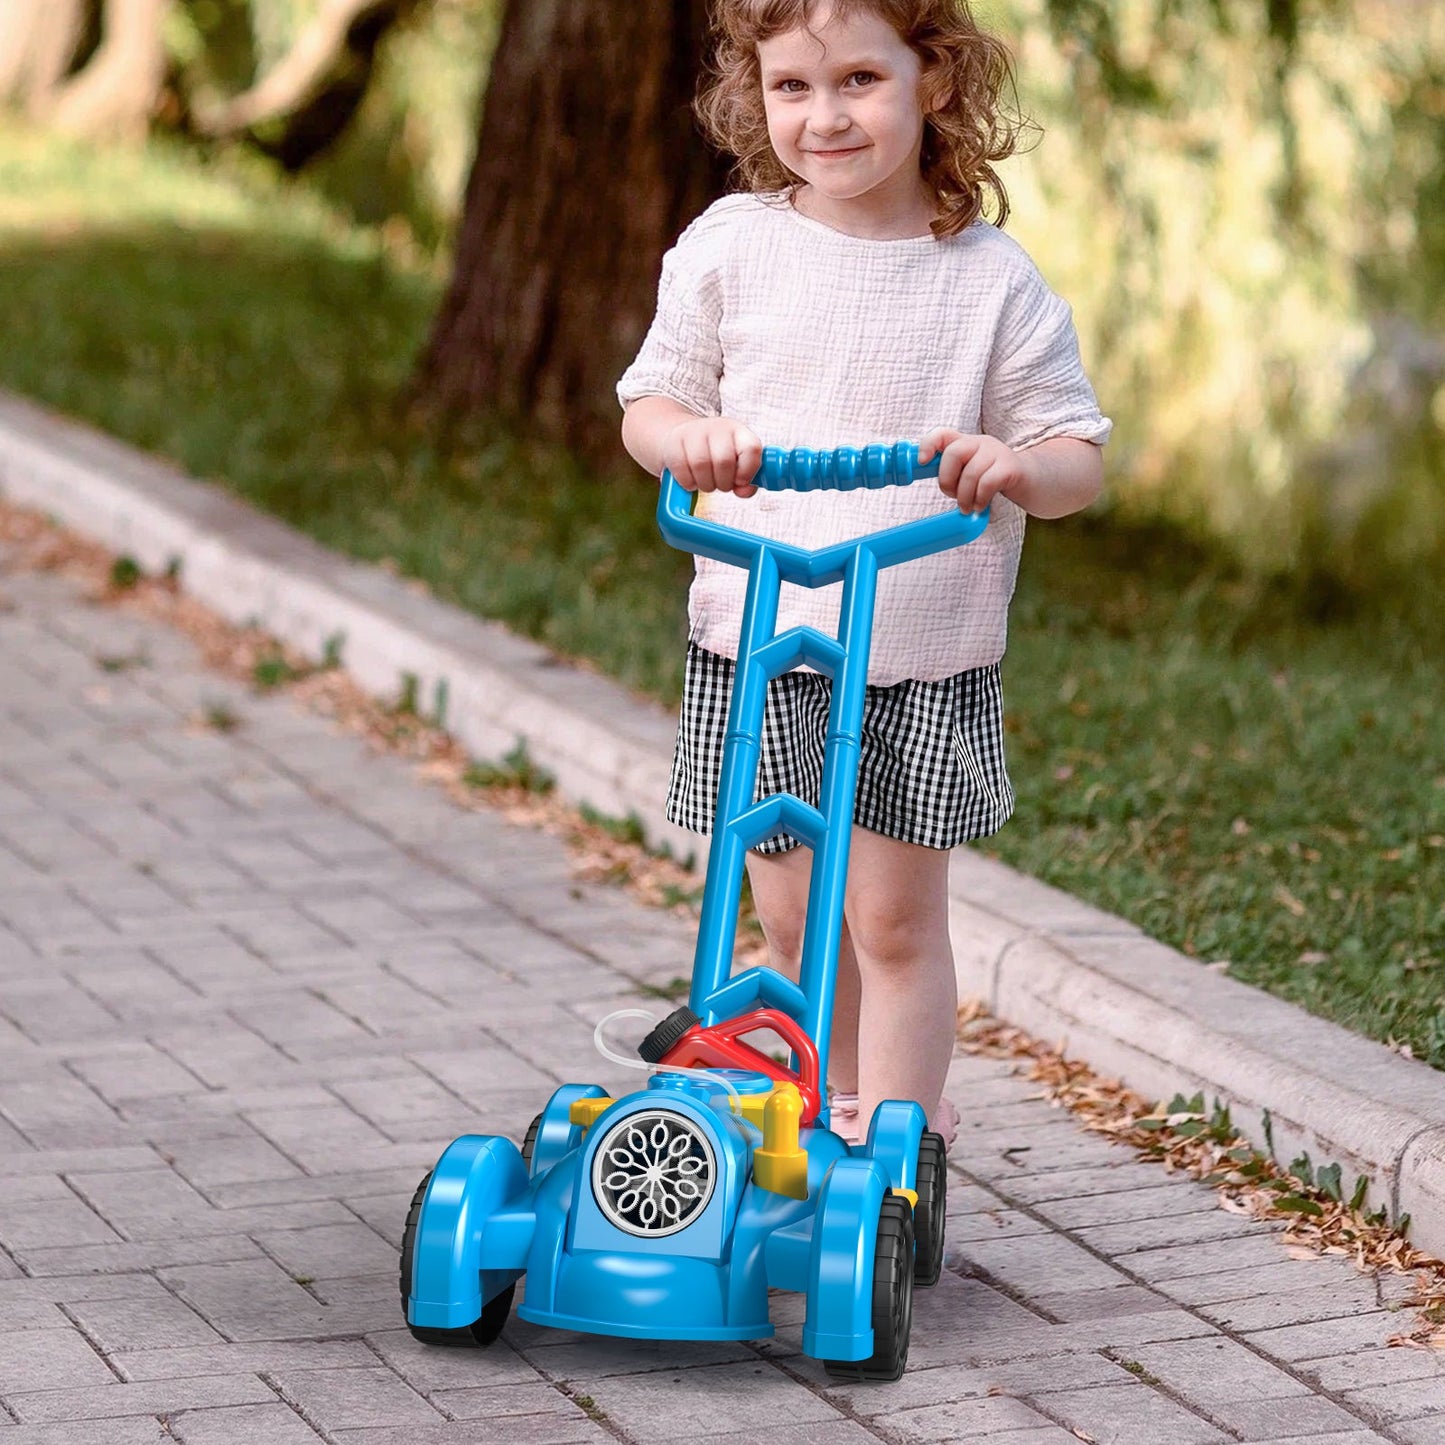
[(252, 983)]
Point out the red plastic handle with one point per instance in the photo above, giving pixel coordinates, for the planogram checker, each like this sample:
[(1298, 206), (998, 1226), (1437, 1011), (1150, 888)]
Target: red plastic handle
[(721, 1047)]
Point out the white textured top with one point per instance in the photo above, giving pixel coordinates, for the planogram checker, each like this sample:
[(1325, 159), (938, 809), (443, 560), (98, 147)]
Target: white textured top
[(816, 338)]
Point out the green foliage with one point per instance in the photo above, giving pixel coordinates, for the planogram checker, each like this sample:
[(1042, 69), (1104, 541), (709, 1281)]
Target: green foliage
[(517, 769), (1243, 201), (125, 573)]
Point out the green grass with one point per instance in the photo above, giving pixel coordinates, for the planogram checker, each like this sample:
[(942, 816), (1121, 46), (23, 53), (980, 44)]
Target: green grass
[(1189, 750)]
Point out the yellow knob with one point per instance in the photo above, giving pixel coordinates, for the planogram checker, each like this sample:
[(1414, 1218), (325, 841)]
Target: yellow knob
[(781, 1166)]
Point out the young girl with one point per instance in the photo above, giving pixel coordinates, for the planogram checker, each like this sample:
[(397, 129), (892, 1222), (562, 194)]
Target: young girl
[(854, 294)]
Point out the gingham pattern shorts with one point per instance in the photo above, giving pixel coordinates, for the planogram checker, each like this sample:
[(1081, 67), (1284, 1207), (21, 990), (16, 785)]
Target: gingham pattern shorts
[(931, 764)]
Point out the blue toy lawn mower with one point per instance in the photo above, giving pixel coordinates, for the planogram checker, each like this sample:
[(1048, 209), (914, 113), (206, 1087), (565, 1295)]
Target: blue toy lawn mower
[(671, 1212)]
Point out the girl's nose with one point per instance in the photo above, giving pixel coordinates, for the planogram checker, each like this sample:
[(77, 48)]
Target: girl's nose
[(829, 117)]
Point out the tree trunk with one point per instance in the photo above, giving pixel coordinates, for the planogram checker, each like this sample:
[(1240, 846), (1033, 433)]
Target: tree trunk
[(37, 44), (116, 94), (588, 164)]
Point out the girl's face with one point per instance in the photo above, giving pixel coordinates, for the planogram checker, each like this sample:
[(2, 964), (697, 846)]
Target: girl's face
[(843, 112)]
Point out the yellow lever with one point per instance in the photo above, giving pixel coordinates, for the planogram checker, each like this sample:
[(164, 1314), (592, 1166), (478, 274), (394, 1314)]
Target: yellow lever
[(585, 1111), (781, 1166)]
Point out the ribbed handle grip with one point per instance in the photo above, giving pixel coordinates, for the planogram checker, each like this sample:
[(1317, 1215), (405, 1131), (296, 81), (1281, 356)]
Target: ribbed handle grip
[(843, 469)]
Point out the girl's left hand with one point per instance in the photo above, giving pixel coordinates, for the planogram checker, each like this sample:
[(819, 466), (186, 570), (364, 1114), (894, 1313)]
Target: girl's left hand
[(974, 469)]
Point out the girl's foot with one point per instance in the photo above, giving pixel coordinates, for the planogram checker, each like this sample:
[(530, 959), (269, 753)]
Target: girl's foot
[(843, 1117), (945, 1121)]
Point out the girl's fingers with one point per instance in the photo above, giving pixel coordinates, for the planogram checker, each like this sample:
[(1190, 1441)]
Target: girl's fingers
[(699, 456), (935, 441), (749, 459)]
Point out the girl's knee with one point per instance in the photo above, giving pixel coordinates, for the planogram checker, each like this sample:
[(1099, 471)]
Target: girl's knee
[(896, 932)]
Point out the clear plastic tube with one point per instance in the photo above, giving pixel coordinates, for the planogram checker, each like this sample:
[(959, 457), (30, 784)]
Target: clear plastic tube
[(734, 1098)]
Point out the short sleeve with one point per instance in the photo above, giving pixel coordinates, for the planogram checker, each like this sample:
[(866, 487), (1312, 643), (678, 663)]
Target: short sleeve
[(681, 356), (1035, 387)]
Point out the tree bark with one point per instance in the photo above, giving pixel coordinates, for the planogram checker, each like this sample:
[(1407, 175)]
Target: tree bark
[(316, 87), (117, 92), (37, 44), (588, 164)]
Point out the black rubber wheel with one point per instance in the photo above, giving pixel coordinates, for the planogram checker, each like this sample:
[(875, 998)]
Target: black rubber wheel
[(928, 1217), (529, 1142), (892, 1298), (481, 1331), (655, 1046)]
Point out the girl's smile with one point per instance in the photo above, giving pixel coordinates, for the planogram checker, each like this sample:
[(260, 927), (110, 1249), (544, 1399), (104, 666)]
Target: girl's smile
[(843, 113)]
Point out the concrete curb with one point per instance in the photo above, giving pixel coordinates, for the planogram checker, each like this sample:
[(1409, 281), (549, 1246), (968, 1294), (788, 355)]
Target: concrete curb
[(1129, 1006)]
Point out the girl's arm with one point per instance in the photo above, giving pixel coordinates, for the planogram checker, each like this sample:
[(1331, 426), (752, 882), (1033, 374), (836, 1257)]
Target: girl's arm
[(1051, 479), (705, 453)]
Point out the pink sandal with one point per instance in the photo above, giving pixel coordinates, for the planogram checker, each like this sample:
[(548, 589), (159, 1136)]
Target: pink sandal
[(843, 1117)]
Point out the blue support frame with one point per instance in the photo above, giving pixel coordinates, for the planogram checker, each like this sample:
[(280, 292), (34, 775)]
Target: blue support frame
[(764, 654)]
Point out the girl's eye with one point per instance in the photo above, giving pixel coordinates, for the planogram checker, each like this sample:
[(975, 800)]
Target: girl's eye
[(791, 87), (862, 77)]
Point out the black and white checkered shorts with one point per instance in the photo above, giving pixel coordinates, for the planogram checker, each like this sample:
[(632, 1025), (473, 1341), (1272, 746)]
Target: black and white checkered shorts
[(931, 765)]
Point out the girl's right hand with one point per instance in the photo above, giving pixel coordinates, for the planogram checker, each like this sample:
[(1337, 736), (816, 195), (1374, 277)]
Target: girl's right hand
[(713, 454)]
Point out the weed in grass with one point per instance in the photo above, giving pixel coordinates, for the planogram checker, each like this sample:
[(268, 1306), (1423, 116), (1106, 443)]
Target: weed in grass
[(406, 702), (674, 989), (331, 650), (1136, 1369), (125, 573), (272, 670), (221, 717), (625, 830), (122, 661), (517, 769)]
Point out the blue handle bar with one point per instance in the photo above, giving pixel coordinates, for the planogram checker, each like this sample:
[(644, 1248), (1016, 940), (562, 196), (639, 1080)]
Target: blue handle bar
[(842, 469)]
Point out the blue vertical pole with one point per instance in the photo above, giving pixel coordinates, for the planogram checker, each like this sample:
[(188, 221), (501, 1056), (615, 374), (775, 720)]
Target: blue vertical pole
[(717, 928), (823, 934)]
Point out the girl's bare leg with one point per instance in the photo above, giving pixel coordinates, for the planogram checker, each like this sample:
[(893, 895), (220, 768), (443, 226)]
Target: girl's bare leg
[(895, 968), (780, 892), (897, 912)]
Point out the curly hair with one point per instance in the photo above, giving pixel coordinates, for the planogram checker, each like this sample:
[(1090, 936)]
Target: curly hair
[(966, 73)]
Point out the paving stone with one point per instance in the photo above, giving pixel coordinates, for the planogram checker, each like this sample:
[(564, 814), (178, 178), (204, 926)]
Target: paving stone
[(329, 1251), (1261, 1249), (822, 1432), (665, 1405), (1123, 1240), (242, 1425), (48, 1360), (1327, 1337), (1420, 1432), (1349, 1294), (581, 1359), (154, 1397), (520, 1430), (1282, 1277), (158, 1322), (1163, 1201), (331, 1400), (264, 1357), (1101, 1304), (90, 1432), (1132, 1414), (1278, 1419), (1038, 1263), (1363, 1368), (1215, 1371), (1401, 1399), (257, 1300), (996, 1415)]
